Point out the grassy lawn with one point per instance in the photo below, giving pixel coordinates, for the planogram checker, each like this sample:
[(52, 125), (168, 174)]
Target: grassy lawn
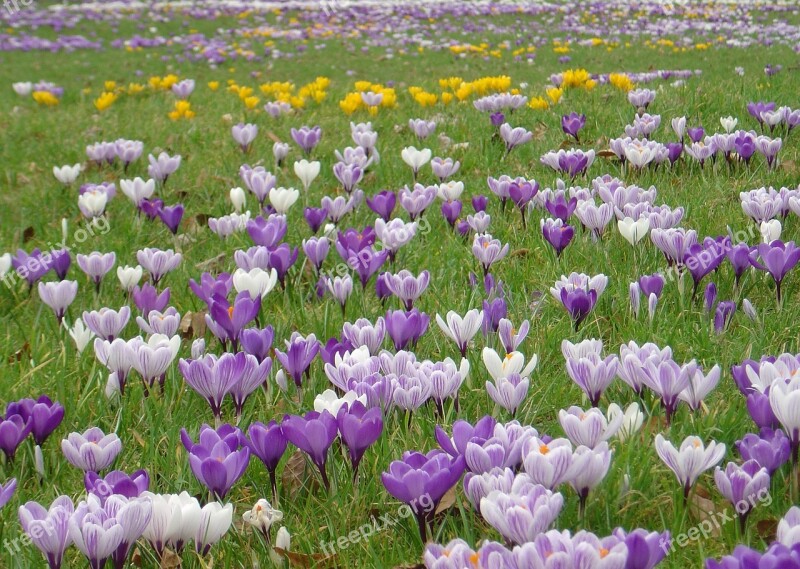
[(407, 48)]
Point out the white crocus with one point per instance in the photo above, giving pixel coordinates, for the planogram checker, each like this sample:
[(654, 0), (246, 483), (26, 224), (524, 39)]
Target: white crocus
[(283, 198), (5, 264), (728, 123), (770, 230), (633, 231), (306, 171), (22, 88), (129, 276), (514, 362), (416, 158), (262, 516), (215, 521), (80, 334), (67, 174), (257, 282), (329, 401), (137, 189), (632, 419), (238, 199)]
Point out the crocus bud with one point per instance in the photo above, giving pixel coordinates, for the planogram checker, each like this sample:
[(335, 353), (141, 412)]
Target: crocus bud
[(38, 460), (636, 298), (238, 199), (198, 348), (280, 379), (652, 303), (750, 310)]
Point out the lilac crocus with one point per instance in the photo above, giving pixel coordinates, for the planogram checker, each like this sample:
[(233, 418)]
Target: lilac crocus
[(244, 135), (91, 450), (157, 262), (513, 137), (524, 513), (407, 287), (593, 374), (48, 529), (219, 458), (257, 342), (106, 323), (313, 434), (147, 298), (306, 138), (578, 303), (461, 330), (96, 266), (13, 430), (488, 250), (383, 203), (163, 167), (557, 233), (58, 296), (421, 481), (227, 321), (117, 483)]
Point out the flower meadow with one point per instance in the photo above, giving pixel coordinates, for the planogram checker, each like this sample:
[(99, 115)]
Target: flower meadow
[(438, 284)]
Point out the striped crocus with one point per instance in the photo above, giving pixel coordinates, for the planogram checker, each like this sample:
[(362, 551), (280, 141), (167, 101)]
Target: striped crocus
[(690, 460), (58, 296), (527, 511), (96, 265), (106, 323), (461, 330), (48, 529), (92, 450)]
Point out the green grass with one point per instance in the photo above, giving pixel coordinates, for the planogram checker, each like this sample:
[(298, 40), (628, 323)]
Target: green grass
[(38, 358)]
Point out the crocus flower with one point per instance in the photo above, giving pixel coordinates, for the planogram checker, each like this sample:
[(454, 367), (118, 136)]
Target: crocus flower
[(509, 392), (163, 167), (117, 483), (262, 517), (58, 296), (92, 450), (776, 258), (488, 250), (588, 428), (740, 485), (406, 327), (268, 443), (7, 491), (406, 287), (421, 481), (96, 265), (513, 137), (299, 355), (359, 428), (383, 203), (690, 460), (244, 135), (313, 434), (770, 448), (524, 513), (593, 374), (227, 321), (307, 172), (306, 138), (461, 330), (45, 416), (416, 159), (589, 467), (171, 216), (557, 233), (219, 458), (215, 521), (48, 529), (572, 124)]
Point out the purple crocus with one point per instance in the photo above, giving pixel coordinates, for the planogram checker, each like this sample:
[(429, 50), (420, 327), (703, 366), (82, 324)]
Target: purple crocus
[(158, 262), (313, 434), (572, 124), (268, 443), (359, 428), (267, 232), (306, 138), (406, 327), (118, 483), (723, 315), (770, 448), (96, 266), (366, 262), (315, 217), (147, 298), (451, 211), (776, 258), (13, 430), (227, 321), (219, 458), (45, 416), (645, 549), (300, 353), (106, 323), (578, 303), (421, 481), (513, 137), (257, 342), (560, 208), (557, 233), (171, 216), (383, 203), (700, 260)]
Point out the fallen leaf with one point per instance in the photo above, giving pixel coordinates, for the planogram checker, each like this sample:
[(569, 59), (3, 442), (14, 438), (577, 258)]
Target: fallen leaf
[(703, 509), (193, 325), (28, 234), (789, 166), (446, 502), (294, 473), (306, 561), (605, 154), (520, 253), (20, 354), (213, 264), (272, 136), (138, 437)]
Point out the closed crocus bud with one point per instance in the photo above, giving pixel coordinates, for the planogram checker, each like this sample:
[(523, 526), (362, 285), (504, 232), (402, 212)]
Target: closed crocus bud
[(633, 230), (307, 172), (283, 541), (280, 150), (728, 123), (238, 199), (38, 460), (280, 379), (632, 420), (749, 310), (80, 334), (113, 387), (64, 229), (652, 303), (636, 297), (67, 174), (198, 348)]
